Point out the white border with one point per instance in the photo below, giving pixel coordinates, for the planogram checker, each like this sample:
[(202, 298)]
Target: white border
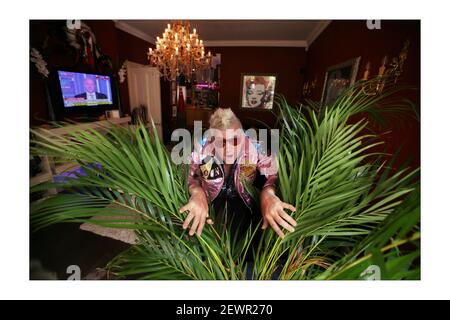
[(435, 115)]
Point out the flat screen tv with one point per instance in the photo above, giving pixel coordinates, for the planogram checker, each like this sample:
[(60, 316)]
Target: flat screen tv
[(85, 90)]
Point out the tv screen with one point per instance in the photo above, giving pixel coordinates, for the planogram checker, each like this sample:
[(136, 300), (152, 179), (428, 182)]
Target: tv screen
[(85, 89)]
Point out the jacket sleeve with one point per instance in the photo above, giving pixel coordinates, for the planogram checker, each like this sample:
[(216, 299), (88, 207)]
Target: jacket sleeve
[(193, 179), (267, 166), (194, 168)]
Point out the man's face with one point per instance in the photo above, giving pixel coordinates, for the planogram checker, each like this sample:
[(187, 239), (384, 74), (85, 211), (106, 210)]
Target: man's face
[(230, 143), (89, 85), (255, 95)]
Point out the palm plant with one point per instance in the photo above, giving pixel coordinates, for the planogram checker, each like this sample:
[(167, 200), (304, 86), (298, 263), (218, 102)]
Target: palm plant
[(352, 210)]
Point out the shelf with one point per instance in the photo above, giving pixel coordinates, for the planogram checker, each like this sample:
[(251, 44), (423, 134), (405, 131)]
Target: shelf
[(47, 176), (93, 125), (49, 168)]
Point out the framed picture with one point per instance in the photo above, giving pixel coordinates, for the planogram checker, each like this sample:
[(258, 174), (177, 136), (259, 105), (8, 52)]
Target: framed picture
[(338, 78), (257, 91)]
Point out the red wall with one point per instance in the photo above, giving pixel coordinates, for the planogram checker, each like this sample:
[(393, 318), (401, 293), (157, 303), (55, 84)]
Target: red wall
[(343, 40), (286, 62), (340, 41)]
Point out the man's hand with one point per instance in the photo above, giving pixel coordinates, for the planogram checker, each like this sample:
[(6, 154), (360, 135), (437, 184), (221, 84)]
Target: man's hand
[(198, 211), (272, 209)]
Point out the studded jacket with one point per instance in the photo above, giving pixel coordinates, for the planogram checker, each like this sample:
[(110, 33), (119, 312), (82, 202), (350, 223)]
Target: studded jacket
[(207, 172)]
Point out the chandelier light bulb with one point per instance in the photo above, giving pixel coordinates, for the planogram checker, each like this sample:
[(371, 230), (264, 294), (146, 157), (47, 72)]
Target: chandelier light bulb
[(179, 52)]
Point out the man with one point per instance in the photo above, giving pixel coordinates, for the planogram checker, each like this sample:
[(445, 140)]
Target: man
[(220, 177), (91, 94)]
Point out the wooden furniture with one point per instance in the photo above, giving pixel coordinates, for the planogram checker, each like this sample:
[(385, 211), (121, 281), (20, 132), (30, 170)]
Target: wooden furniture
[(197, 114), (50, 169)]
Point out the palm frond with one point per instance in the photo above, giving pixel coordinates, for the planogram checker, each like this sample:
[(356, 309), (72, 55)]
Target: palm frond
[(328, 172), (351, 208), (128, 177)]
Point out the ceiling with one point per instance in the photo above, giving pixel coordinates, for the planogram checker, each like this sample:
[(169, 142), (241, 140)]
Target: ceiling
[(285, 33)]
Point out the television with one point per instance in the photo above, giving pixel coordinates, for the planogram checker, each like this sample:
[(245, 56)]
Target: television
[(83, 95)]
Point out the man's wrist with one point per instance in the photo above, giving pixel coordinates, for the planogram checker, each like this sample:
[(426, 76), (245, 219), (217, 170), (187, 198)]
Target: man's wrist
[(267, 191), (197, 191)]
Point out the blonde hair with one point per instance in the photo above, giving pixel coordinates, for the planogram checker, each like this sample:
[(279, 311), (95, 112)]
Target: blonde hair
[(223, 118)]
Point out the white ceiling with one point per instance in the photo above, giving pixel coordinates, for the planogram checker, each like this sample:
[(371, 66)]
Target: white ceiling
[(286, 33)]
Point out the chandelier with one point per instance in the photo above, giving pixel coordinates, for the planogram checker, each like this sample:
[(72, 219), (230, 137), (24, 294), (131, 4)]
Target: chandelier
[(179, 52)]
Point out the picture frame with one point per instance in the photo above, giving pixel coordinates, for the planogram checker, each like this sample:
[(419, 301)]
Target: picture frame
[(337, 78), (257, 91)]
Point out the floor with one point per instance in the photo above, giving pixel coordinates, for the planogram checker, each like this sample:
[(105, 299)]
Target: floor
[(54, 249)]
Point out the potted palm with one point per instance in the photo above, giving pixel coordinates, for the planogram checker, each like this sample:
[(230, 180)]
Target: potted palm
[(356, 217)]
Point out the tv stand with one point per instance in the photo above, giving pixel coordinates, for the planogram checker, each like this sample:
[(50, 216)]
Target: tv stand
[(50, 168)]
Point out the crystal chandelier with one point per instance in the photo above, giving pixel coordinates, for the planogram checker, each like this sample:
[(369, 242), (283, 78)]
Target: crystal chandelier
[(179, 52)]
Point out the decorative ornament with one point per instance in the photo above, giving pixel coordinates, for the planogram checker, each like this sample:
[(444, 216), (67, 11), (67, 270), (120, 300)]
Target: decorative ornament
[(123, 72), (39, 62)]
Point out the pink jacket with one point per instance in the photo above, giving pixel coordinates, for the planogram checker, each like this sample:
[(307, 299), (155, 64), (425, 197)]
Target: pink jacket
[(206, 173)]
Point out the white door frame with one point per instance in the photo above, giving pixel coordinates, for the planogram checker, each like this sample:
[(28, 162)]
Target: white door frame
[(144, 88)]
